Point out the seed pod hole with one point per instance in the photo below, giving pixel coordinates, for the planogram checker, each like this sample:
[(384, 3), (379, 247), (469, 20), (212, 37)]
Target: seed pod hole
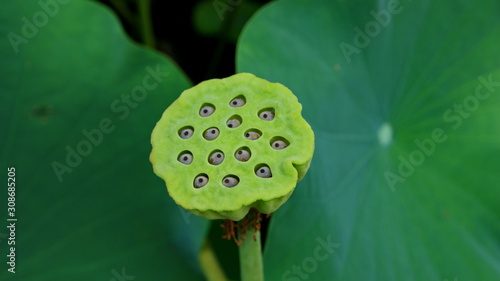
[(230, 181), (211, 133), (234, 121), (279, 143), (186, 132), (207, 110), (243, 154), (263, 171), (216, 157), (238, 101), (267, 114), (185, 157), (253, 134), (200, 181)]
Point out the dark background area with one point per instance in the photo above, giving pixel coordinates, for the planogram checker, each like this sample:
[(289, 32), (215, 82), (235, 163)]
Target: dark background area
[(200, 36)]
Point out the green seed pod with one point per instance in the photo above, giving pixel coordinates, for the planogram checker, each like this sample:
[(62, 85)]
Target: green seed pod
[(228, 145)]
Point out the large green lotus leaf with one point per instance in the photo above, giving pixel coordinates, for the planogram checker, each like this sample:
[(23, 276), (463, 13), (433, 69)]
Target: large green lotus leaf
[(405, 181), (78, 104)]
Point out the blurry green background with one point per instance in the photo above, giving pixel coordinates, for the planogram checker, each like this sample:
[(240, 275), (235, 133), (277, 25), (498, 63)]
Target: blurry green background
[(403, 97)]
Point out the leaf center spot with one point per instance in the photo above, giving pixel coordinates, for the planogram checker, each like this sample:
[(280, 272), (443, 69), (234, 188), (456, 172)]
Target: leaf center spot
[(385, 134)]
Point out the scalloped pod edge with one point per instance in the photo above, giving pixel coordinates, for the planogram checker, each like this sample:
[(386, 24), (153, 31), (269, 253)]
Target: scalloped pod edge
[(198, 139)]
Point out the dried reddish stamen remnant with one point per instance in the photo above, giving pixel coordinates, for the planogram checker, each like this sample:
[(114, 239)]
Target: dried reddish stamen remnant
[(229, 227), (234, 229)]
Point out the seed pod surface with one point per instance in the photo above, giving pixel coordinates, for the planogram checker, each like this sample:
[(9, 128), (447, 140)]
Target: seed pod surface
[(227, 145)]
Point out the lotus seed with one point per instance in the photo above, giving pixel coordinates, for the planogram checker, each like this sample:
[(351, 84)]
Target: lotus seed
[(230, 181), (207, 110), (211, 134), (242, 155), (237, 102), (185, 158), (279, 144), (216, 158), (233, 123), (200, 181), (263, 172), (252, 135), (266, 115), (186, 133)]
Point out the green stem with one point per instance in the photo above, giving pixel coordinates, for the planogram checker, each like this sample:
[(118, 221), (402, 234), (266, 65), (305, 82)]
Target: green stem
[(122, 9), (146, 24), (209, 263), (251, 256)]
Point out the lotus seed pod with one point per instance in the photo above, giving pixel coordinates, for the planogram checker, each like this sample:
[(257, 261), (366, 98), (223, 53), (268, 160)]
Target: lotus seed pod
[(228, 145)]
